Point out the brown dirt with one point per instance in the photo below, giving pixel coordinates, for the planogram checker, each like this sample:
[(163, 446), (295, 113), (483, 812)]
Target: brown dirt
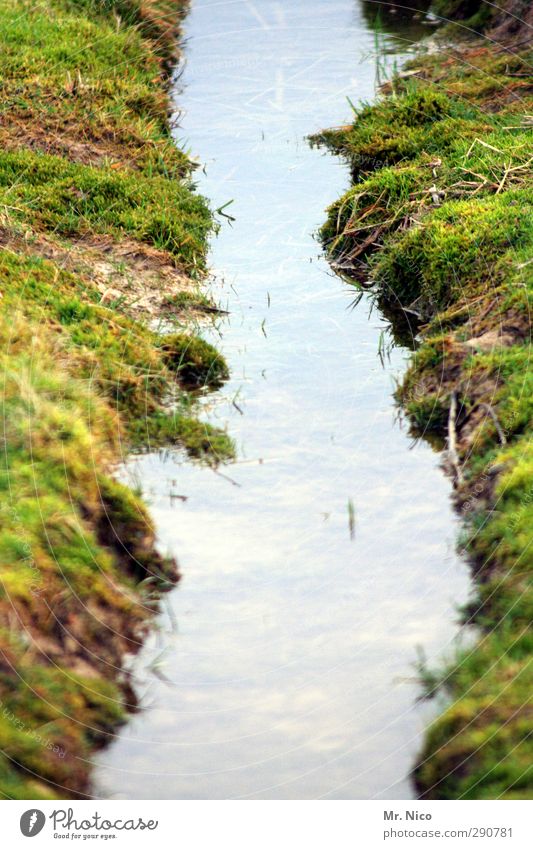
[(29, 133), (136, 278), (514, 24)]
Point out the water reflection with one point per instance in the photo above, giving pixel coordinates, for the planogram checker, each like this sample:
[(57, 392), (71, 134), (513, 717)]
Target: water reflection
[(404, 23), (284, 669)]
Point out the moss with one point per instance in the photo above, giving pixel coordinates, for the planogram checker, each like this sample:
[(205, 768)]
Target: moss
[(48, 722), (373, 207), (201, 440), (423, 120), (196, 362), (195, 301), (73, 585), (456, 249), (440, 219), (429, 414)]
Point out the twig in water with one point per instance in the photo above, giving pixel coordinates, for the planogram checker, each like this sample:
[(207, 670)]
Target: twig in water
[(351, 518), (172, 617), (381, 348), (226, 477), (452, 439)]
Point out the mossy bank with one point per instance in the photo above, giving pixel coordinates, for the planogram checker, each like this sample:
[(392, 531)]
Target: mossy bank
[(102, 235), (439, 228)]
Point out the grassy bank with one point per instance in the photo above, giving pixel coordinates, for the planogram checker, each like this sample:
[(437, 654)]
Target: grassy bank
[(438, 226), (101, 236)]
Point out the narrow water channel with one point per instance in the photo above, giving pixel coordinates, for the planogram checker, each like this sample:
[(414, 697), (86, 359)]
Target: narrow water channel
[(283, 666)]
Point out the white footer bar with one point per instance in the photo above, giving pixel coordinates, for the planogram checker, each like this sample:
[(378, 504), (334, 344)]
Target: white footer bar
[(268, 824)]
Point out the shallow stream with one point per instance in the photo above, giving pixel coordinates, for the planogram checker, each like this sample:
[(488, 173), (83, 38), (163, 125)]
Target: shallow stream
[(315, 565)]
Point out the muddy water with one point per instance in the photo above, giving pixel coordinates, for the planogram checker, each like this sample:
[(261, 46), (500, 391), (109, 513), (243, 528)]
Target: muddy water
[(282, 667)]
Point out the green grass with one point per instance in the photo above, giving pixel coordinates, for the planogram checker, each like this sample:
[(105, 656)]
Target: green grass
[(440, 218), (51, 194), (397, 130), (77, 78)]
